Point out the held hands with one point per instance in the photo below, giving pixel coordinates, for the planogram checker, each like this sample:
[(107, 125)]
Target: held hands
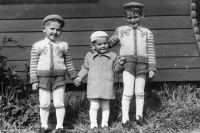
[(35, 86), (151, 74), (121, 60), (77, 81)]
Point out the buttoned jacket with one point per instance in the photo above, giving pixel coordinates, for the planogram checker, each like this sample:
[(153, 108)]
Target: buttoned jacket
[(100, 69)]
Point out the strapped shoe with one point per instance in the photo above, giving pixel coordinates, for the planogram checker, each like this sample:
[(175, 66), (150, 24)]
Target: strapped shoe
[(141, 121), (43, 130), (128, 126), (60, 130)]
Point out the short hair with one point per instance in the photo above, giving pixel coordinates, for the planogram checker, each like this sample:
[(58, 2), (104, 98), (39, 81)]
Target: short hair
[(135, 10)]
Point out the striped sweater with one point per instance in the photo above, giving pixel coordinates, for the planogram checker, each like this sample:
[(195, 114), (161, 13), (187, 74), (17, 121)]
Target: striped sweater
[(50, 59), (138, 42)]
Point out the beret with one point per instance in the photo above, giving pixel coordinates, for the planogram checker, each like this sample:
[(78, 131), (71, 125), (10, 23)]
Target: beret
[(52, 17), (98, 34), (133, 4)]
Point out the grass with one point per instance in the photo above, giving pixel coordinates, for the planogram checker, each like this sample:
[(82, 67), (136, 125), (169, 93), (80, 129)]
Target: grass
[(169, 108)]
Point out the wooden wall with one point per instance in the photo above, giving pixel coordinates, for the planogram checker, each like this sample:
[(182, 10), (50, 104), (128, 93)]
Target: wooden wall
[(170, 21)]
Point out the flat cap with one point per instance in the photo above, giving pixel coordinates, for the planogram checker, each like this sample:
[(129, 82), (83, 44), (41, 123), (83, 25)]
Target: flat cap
[(98, 34), (52, 17), (133, 4)]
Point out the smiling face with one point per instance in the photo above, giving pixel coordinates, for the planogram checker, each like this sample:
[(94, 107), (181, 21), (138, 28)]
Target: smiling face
[(52, 29), (101, 45), (134, 16)]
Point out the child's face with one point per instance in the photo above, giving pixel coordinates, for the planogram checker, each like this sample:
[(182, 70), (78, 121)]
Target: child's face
[(101, 45), (133, 19), (52, 30)]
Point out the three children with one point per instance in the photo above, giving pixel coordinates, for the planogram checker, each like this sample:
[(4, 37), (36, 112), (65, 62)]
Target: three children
[(51, 61)]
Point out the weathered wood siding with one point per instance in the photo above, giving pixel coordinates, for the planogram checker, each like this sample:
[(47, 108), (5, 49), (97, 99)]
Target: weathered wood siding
[(170, 21)]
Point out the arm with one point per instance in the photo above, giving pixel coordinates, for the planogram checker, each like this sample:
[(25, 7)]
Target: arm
[(33, 68), (151, 55), (69, 65), (33, 65), (84, 68), (114, 39), (119, 64)]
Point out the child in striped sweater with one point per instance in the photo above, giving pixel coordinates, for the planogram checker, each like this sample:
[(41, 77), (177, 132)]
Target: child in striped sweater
[(137, 46), (50, 62)]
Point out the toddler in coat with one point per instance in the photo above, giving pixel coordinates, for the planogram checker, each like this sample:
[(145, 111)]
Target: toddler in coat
[(100, 66)]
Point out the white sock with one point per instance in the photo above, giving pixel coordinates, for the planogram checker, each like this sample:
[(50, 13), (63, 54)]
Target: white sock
[(44, 115), (105, 117), (139, 107), (125, 108), (60, 115), (93, 117)]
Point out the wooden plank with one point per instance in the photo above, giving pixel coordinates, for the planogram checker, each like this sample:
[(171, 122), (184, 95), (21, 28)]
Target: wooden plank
[(162, 63), (104, 8), (175, 36), (19, 2), (162, 75), (177, 75), (86, 24), (176, 50), (164, 7), (79, 52)]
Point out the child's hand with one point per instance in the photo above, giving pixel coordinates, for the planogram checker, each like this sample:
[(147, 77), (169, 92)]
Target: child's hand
[(151, 74), (121, 60), (77, 81), (35, 86)]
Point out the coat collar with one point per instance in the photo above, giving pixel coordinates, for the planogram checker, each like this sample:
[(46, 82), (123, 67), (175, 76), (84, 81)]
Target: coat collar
[(95, 54), (138, 27), (47, 41)]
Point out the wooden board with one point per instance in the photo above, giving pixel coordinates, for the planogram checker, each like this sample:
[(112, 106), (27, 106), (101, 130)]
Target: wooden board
[(88, 24), (79, 52), (162, 75), (104, 8), (162, 63), (173, 36), (177, 75)]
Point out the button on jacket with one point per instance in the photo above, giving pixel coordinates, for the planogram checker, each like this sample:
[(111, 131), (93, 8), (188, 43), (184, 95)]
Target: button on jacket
[(50, 59), (138, 41), (100, 69)]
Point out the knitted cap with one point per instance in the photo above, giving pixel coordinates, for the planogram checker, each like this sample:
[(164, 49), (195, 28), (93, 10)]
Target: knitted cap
[(52, 17), (98, 34)]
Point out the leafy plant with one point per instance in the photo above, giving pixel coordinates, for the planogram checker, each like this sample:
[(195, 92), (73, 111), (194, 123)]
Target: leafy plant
[(18, 104)]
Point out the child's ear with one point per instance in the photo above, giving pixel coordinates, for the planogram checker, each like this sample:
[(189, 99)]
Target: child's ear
[(92, 46), (43, 28)]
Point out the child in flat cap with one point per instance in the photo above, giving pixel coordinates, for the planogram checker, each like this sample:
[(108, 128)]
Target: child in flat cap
[(137, 46), (49, 64), (100, 66)]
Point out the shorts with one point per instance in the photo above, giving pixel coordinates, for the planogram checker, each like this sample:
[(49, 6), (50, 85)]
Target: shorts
[(51, 83), (51, 87), (136, 64)]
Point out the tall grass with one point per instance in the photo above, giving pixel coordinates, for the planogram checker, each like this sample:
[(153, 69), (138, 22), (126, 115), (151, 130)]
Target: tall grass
[(169, 108)]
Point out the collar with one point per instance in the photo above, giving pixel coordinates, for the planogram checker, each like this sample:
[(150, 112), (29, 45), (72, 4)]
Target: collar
[(138, 27), (47, 41), (95, 54)]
